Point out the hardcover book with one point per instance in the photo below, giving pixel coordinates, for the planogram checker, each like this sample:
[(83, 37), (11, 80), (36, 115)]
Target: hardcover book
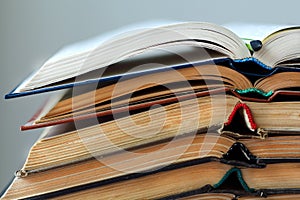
[(177, 43)]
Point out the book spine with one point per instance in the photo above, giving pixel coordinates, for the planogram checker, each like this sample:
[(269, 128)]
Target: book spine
[(241, 124)]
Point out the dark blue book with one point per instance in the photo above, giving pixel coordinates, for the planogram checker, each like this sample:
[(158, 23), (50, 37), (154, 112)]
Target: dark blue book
[(152, 49)]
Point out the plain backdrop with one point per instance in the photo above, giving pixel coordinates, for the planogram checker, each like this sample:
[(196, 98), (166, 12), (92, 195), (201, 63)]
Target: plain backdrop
[(33, 30)]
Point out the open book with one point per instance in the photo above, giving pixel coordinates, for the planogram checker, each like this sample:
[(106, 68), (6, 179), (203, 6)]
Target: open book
[(82, 140), (165, 87), (176, 183), (126, 53)]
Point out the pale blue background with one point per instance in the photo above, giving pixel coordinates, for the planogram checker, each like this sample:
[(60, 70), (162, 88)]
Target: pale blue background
[(31, 31)]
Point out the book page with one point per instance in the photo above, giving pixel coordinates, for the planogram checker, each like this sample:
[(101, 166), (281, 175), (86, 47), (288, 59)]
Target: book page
[(255, 31), (89, 44)]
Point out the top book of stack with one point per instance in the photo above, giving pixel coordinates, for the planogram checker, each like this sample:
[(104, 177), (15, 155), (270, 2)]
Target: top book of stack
[(165, 47)]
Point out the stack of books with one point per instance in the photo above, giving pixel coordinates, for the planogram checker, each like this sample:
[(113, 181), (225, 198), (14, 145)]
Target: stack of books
[(180, 111)]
